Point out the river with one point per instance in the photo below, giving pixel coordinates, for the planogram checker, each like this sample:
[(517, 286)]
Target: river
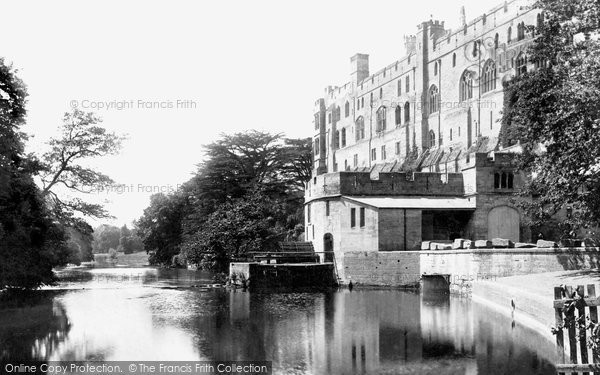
[(153, 314)]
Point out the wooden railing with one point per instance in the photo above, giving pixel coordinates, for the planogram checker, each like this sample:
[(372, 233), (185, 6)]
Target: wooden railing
[(576, 313)]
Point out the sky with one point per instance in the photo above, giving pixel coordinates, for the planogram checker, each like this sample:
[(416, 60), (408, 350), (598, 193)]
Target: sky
[(174, 75)]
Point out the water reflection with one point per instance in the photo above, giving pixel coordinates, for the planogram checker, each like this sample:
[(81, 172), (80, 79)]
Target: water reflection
[(176, 315)]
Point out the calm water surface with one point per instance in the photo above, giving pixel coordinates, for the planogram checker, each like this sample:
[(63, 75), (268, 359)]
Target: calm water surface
[(150, 314)]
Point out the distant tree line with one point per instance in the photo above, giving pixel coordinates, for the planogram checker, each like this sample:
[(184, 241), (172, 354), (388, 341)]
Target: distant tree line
[(125, 240), (246, 196)]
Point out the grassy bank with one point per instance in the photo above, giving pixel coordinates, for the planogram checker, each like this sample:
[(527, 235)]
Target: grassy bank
[(139, 259)]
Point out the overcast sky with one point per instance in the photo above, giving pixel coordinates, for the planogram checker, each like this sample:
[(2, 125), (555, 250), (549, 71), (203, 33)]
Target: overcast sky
[(232, 65)]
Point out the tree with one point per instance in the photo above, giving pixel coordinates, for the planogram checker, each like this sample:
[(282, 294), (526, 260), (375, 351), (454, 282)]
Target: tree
[(81, 138), (160, 227), (554, 112), (31, 242), (235, 168), (253, 223), (105, 238)]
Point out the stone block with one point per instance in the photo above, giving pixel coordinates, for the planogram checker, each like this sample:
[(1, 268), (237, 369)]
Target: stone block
[(442, 246), (502, 243), (468, 244), (425, 245), (524, 245), (546, 244), (458, 243), (570, 242), (483, 244)]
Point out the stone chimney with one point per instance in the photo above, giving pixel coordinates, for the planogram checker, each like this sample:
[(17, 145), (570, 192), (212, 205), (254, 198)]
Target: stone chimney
[(359, 64)]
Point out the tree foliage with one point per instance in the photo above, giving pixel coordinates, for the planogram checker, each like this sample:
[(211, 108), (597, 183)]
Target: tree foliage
[(81, 138), (237, 171), (554, 112), (31, 242), (253, 223)]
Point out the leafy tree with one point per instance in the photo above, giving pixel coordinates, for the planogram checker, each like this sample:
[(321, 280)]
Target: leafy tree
[(236, 166), (554, 112), (31, 243), (81, 138), (105, 238), (249, 224), (160, 227)]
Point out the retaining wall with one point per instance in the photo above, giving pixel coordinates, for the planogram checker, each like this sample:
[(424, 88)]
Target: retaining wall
[(405, 268)]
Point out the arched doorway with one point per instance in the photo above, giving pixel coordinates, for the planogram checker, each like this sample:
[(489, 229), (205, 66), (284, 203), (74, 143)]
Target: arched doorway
[(328, 247), (503, 222)]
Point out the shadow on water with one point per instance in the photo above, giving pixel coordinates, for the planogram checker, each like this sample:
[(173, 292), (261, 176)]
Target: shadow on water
[(32, 325), (176, 315)]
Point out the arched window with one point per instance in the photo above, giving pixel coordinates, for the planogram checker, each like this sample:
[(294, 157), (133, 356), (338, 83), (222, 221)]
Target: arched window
[(398, 115), (489, 76), (521, 64), (496, 40), (360, 128), (466, 86), (406, 112), (337, 139), (521, 31), (496, 180), (431, 138), (435, 68), (450, 135), (540, 20), (503, 182), (399, 87), (407, 84), (343, 137), (381, 119), (434, 99), (453, 59), (509, 34), (362, 102), (380, 92), (511, 178), (347, 109)]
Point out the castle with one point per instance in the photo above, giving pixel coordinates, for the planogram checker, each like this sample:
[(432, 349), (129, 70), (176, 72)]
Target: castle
[(411, 153)]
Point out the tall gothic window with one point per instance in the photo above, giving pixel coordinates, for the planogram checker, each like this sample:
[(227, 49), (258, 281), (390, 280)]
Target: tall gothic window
[(343, 137), (406, 112), (399, 87), (466, 86), (398, 115), (521, 31), (431, 138), (434, 99), (360, 128), (521, 64), (509, 34), (489, 76), (381, 119), (407, 84), (347, 109)]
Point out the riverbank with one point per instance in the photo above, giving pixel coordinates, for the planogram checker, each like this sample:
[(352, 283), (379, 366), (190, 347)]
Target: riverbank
[(531, 295), (139, 259)]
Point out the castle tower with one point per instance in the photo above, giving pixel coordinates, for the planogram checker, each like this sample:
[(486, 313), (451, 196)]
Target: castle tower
[(359, 65)]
